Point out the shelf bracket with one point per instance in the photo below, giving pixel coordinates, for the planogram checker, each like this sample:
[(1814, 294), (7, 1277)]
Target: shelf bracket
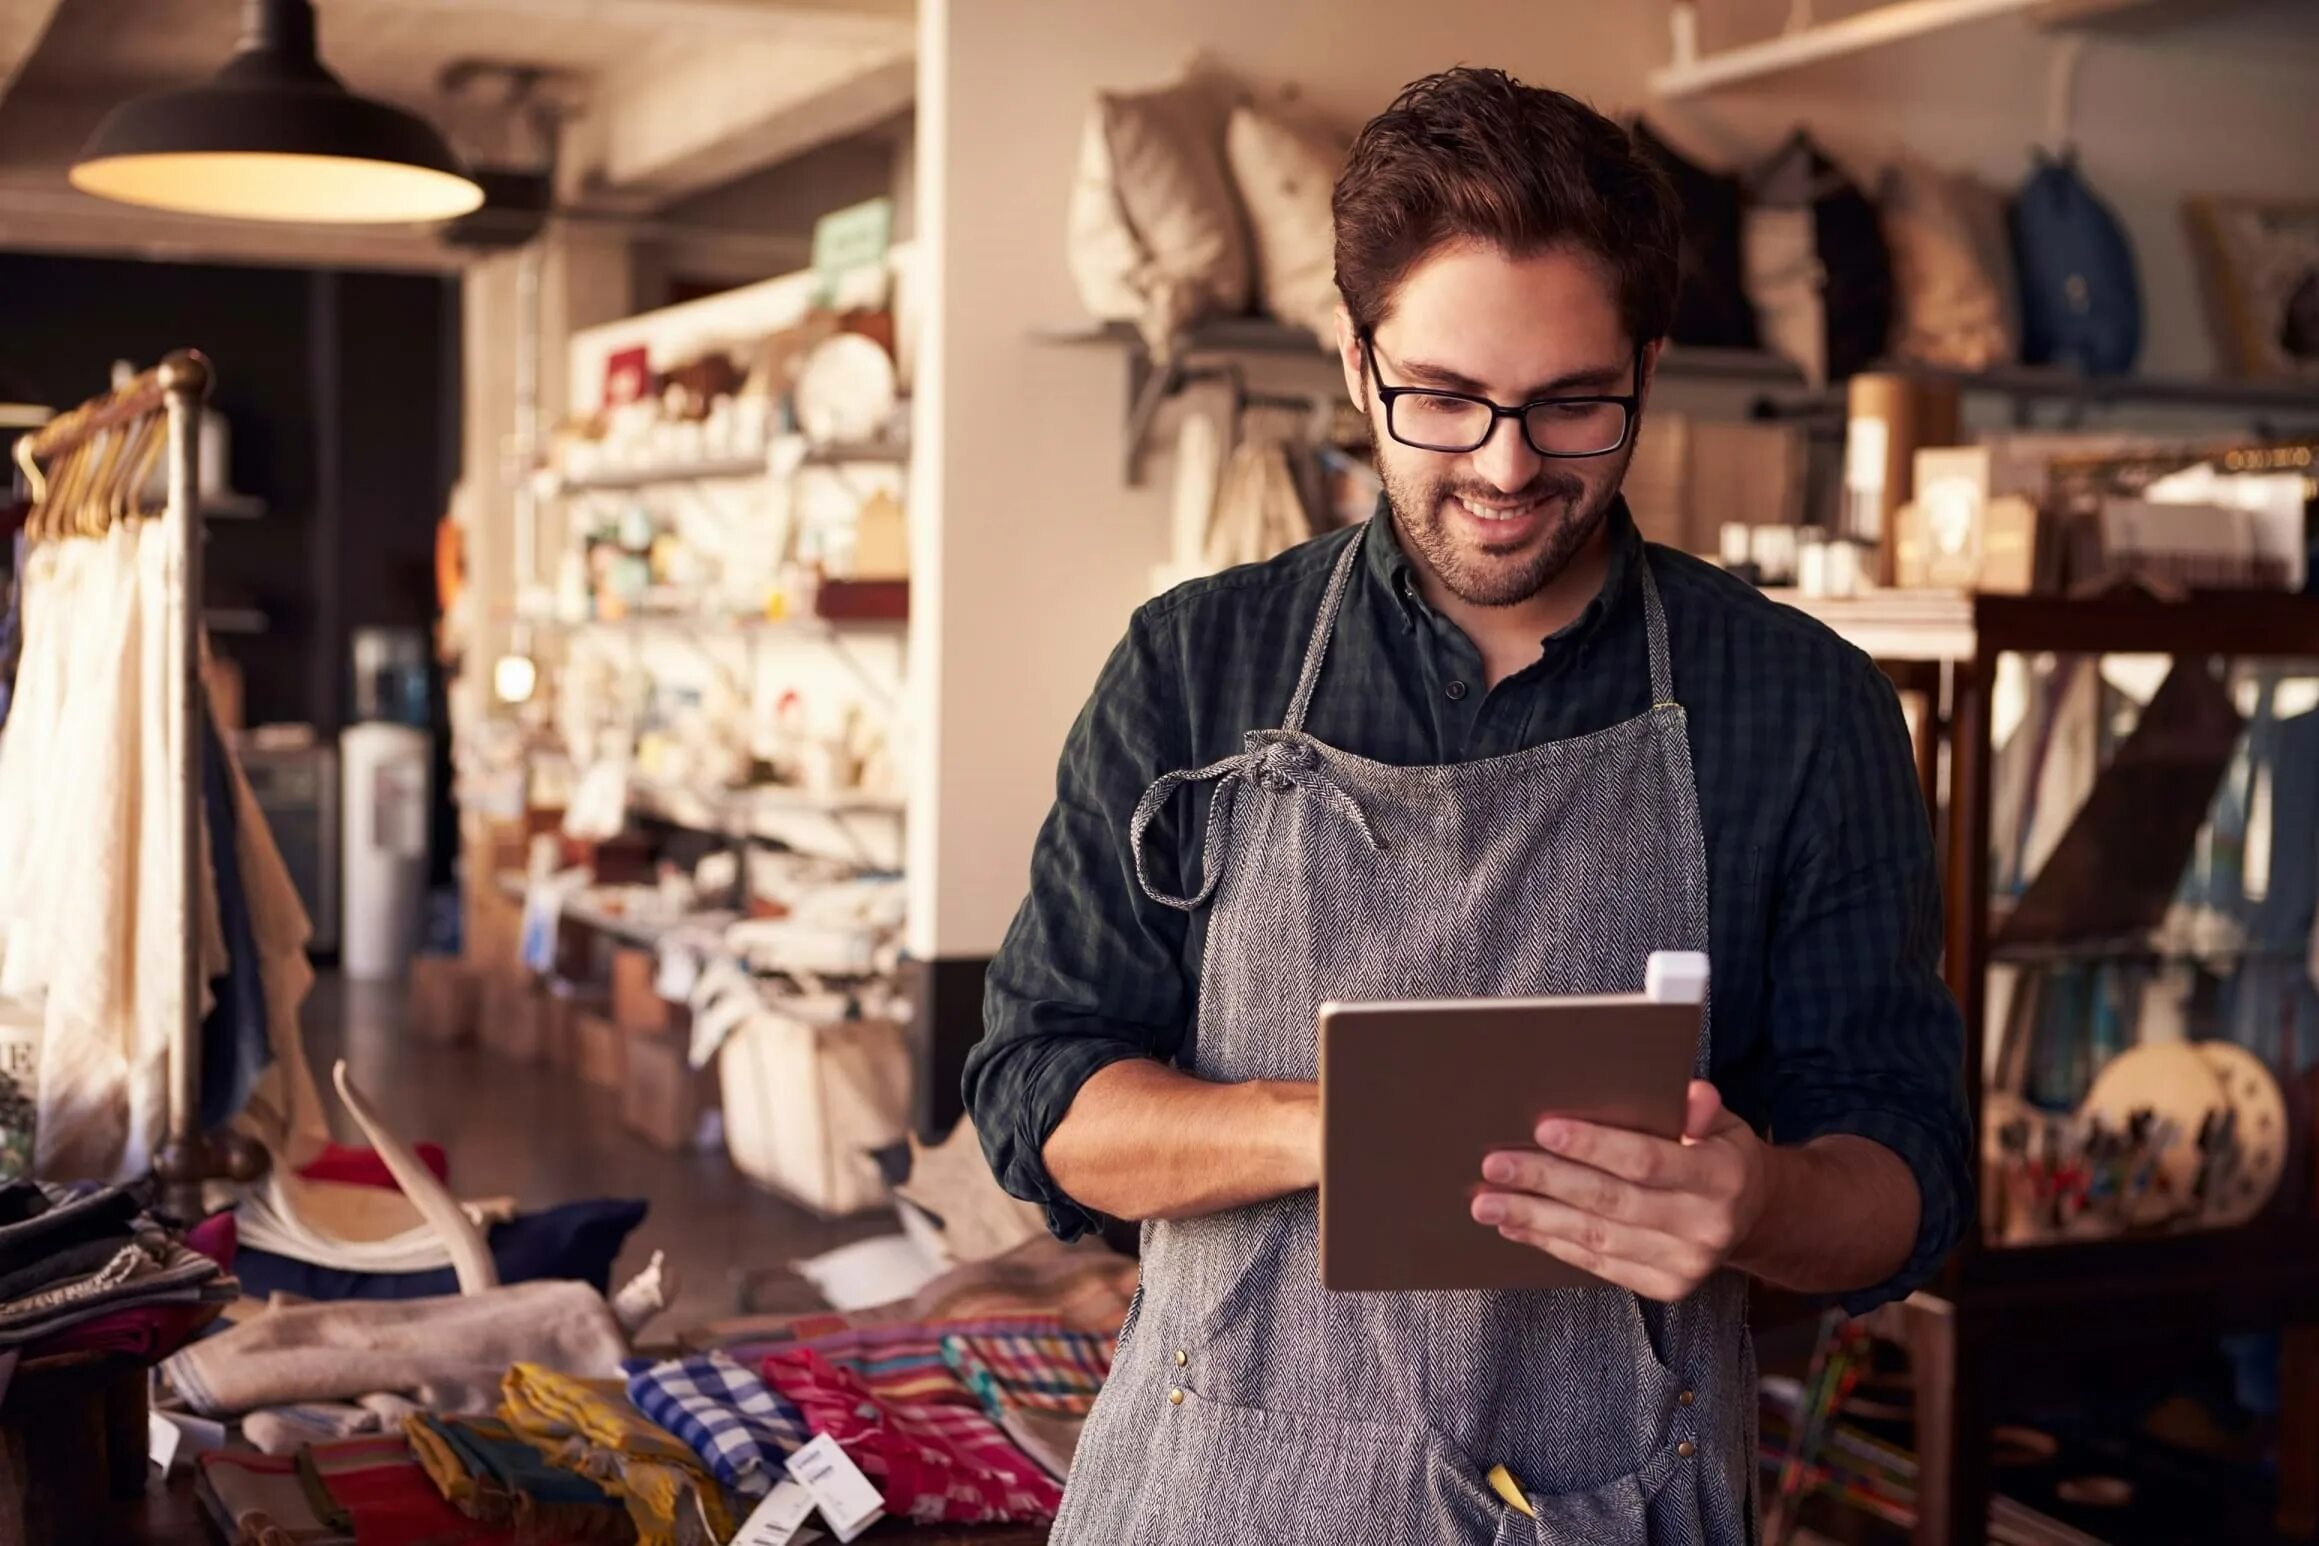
[(1149, 384)]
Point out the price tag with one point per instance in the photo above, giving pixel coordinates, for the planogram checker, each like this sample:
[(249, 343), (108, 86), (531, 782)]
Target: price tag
[(162, 1438), (780, 1519), (848, 1502)]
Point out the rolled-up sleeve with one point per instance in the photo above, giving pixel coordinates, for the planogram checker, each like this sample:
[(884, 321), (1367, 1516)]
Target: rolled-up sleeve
[(1866, 1039), (1091, 971)]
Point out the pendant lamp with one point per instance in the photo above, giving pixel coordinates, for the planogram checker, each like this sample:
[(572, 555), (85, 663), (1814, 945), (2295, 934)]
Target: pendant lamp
[(275, 136)]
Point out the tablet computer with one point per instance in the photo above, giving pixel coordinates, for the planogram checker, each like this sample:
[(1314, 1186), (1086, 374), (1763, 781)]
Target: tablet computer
[(1415, 1094)]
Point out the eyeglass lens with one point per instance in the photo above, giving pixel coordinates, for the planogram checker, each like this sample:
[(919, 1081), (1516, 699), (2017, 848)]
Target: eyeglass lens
[(1433, 421)]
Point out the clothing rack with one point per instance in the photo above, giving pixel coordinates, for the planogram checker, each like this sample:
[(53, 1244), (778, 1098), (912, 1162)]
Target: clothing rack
[(88, 469)]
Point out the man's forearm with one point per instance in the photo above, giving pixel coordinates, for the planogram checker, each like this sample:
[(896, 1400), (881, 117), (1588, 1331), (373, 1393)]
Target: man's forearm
[(1839, 1213), (1146, 1141)]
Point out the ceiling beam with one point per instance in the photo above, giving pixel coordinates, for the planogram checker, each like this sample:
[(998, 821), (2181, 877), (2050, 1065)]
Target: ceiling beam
[(690, 122), (692, 19), (23, 23)]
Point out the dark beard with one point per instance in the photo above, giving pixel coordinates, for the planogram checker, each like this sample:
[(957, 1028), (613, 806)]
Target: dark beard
[(1417, 514)]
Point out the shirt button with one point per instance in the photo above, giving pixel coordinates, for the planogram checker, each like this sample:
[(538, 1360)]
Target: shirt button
[(1176, 1397), (1686, 1449), (1456, 691), (1686, 1398), (1181, 1358)]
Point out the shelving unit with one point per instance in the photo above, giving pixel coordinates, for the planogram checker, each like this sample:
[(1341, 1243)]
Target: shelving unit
[(1992, 1297), (1692, 74), (1150, 384)]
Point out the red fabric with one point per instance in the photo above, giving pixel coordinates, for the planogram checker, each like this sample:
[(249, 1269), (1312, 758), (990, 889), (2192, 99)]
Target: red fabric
[(148, 1332), (376, 1480), (217, 1237), (934, 1463), (363, 1167)]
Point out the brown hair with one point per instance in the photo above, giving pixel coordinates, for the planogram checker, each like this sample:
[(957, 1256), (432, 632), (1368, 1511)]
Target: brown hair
[(1476, 155)]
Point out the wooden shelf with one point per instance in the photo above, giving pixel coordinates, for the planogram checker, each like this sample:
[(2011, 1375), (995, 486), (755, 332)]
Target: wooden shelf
[(1954, 626), (784, 450), (743, 812), (1897, 21), (679, 622)]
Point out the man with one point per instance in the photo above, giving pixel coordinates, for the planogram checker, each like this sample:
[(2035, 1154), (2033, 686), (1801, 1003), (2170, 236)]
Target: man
[(1516, 751)]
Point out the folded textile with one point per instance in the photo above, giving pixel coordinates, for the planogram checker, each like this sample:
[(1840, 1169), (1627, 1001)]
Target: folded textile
[(1049, 1371), (907, 1364), (728, 1415), (446, 1352), (374, 1488), (149, 1272), (488, 1471), (284, 1430), (147, 1332), (1046, 1437), (43, 1218), (352, 1165), (258, 1500), (74, 1261), (936, 1464), (355, 1228), (577, 1240), (643, 1463)]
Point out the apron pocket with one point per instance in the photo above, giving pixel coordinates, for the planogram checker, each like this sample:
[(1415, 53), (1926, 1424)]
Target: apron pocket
[(1289, 1477), (1614, 1514)]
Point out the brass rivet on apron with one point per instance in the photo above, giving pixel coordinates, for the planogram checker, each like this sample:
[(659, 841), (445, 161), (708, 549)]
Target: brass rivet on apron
[(1686, 1449), (1182, 1358), (1176, 1397), (1686, 1398)]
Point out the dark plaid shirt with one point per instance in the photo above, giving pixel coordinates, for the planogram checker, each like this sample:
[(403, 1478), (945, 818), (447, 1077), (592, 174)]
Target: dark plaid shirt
[(1828, 1008)]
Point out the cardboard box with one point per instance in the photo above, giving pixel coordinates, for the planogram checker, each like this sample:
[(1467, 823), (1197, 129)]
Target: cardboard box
[(664, 1098), (603, 1049), (513, 1017), (560, 1033), (637, 1006), (444, 995)]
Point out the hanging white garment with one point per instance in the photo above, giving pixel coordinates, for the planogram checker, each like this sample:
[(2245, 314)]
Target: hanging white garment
[(91, 929), (84, 875)]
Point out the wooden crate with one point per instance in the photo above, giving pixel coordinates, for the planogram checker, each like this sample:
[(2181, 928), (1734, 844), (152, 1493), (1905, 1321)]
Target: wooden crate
[(664, 1099), (637, 1006), (514, 1017), (603, 1049), (443, 1000), (560, 1032)]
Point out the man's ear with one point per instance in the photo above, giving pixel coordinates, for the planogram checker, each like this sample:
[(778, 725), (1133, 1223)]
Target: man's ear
[(1650, 369), (1349, 356)]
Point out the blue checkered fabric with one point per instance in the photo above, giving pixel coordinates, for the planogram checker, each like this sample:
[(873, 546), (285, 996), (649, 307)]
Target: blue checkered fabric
[(733, 1420)]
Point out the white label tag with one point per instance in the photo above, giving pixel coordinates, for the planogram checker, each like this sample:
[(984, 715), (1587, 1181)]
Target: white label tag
[(849, 1504), (162, 1438), (780, 1519)]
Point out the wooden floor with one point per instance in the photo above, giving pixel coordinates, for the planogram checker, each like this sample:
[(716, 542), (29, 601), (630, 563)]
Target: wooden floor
[(711, 1223)]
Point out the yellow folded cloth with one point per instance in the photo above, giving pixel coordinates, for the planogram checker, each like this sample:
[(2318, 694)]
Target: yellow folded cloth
[(653, 1471)]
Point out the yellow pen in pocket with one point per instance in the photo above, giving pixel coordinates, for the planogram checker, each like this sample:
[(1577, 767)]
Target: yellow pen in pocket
[(1503, 1484)]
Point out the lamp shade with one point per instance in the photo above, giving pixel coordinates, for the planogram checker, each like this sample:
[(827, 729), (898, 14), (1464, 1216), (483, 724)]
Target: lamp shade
[(275, 136)]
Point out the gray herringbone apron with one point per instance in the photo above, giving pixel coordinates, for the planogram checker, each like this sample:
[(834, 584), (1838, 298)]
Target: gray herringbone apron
[(1249, 1404)]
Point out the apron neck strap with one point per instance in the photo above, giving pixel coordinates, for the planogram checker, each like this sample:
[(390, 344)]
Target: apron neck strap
[(1323, 629), (1333, 602), (1655, 631)]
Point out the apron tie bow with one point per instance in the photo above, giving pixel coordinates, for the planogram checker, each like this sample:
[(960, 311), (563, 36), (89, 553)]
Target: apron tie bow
[(1277, 765)]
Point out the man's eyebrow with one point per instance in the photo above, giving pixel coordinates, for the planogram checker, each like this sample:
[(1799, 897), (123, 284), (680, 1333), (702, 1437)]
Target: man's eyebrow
[(1599, 377)]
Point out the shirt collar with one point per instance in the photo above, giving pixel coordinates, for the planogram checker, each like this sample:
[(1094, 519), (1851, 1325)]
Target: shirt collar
[(1389, 565)]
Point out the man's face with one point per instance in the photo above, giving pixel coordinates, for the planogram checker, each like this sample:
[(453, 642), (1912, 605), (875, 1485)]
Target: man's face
[(1500, 523)]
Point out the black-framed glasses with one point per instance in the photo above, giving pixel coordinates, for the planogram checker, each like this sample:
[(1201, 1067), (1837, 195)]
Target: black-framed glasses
[(1456, 422)]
